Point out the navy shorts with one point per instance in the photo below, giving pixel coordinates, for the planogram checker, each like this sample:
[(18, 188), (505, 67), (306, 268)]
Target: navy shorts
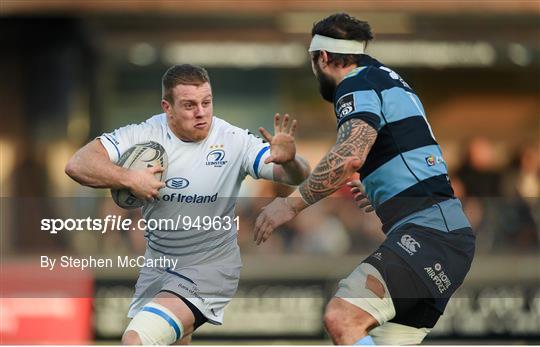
[(422, 268)]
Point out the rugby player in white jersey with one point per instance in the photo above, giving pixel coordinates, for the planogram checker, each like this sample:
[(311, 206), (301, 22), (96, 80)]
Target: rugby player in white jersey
[(208, 159)]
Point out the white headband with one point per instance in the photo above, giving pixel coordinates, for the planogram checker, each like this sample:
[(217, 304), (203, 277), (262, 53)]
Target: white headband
[(329, 44)]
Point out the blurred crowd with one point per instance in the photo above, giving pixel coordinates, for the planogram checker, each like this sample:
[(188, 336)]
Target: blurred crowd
[(501, 201)]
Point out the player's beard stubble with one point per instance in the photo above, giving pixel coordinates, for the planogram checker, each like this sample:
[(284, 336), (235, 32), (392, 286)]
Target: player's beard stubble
[(327, 87)]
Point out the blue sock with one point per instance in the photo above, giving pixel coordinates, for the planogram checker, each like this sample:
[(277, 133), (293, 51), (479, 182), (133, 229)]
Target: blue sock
[(365, 341)]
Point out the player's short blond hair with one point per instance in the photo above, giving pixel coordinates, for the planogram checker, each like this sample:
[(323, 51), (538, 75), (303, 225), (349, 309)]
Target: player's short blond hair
[(182, 74)]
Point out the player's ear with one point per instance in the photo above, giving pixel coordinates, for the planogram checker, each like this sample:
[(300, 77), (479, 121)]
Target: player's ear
[(323, 58), (165, 105)]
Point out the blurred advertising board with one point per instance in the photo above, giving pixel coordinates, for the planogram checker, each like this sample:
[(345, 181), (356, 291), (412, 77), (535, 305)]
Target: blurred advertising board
[(290, 309), (37, 307)]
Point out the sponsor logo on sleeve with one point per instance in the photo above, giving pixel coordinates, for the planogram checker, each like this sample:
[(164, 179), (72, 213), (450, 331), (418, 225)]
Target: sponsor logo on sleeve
[(345, 105)]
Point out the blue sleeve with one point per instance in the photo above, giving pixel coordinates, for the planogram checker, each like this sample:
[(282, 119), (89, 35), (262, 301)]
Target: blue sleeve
[(357, 99)]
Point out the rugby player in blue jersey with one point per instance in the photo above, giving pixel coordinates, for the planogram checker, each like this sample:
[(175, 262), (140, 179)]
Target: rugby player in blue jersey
[(397, 294)]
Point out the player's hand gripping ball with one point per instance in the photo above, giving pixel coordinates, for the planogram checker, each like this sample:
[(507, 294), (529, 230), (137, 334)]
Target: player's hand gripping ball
[(140, 157)]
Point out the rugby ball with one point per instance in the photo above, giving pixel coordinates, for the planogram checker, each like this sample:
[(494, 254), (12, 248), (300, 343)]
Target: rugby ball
[(139, 157)]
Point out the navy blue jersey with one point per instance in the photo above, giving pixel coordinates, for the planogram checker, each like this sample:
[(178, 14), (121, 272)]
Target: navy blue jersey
[(405, 171)]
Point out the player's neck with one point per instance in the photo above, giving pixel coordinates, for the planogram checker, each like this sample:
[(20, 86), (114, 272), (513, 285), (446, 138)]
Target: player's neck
[(341, 72)]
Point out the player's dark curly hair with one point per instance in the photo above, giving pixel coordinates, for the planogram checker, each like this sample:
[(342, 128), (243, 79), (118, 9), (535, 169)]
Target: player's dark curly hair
[(182, 74), (342, 26)]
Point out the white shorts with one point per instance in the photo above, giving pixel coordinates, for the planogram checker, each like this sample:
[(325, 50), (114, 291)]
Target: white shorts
[(209, 286)]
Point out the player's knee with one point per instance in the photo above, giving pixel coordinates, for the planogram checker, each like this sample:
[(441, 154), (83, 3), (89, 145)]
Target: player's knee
[(186, 340), (331, 319), (336, 319), (333, 326), (131, 338), (340, 317), (153, 325)]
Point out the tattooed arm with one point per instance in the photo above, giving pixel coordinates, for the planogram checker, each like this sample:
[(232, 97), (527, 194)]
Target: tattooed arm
[(355, 138)]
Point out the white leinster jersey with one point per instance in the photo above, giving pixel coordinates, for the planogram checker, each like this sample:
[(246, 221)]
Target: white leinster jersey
[(202, 183)]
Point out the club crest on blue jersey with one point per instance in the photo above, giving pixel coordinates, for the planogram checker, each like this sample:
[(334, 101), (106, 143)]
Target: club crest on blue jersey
[(345, 105), (216, 157), (177, 183)]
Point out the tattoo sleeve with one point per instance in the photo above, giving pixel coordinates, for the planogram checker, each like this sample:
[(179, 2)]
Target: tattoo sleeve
[(354, 140)]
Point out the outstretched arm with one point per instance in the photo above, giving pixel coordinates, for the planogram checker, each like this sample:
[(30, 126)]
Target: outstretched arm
[(355, 139), (289, 168)]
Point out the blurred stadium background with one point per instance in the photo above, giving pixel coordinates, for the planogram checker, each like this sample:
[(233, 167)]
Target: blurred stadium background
[(73, 69)]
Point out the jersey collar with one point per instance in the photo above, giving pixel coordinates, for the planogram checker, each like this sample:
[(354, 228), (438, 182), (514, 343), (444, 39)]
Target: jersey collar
[(363, 62), (354, 72)]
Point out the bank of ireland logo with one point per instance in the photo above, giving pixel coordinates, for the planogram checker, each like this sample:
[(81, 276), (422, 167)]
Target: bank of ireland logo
[(409, 244), (177, 183), (216, 156)]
